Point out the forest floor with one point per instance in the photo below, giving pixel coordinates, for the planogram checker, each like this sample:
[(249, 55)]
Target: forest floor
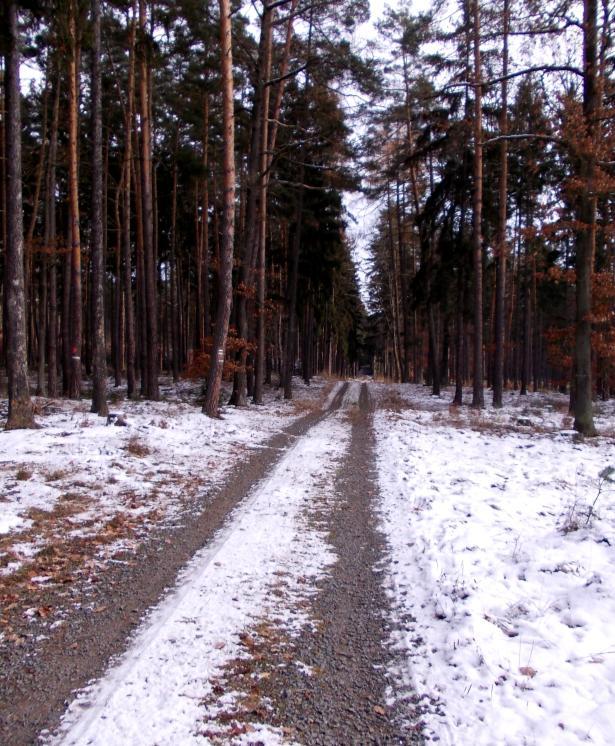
[(366, 564)]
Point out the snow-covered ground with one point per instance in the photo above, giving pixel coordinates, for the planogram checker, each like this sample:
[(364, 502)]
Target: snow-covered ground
[(259, 567), (501, 571), (501, 568), (83, 489)]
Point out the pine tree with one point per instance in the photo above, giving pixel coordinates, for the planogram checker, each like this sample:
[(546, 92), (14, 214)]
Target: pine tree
[(20, 406)]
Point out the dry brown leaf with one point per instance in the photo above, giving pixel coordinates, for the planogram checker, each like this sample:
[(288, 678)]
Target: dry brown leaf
[(528, 671)]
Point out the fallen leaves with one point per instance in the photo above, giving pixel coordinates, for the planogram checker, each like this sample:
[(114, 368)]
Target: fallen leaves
[(528, 671)]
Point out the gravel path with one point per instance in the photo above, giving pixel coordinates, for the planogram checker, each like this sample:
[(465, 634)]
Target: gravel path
[(37, 678), (328, 686), (343, 701)]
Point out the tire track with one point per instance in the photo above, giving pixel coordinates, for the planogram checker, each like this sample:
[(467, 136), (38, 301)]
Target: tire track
[(38, 678), (343, 701)]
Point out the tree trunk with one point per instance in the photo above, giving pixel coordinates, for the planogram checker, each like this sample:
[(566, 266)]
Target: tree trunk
[(149, 261), (433, 350), (20, 405), (35, 323), (291, 294), (225, 279), (99, 357), (205, 223), (126, 244), (263, 160), (586, 234), (47, 314), (117, 347), (459, 333), (76, 310), (477, 242), (174, 310), (48, 346), (527, 332), (500, 288)]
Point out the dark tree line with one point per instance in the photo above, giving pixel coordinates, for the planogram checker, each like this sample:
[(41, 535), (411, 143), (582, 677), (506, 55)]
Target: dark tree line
[(494, 254), (181, 187), (172, 197)]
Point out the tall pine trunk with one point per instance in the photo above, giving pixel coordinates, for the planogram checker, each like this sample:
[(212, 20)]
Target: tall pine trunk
[(75, 329), (50, 349), (500, 290), (126, 233), (263, 160), (20, 405), (99, 380), (477, 241), (149, 261), (291, 293), (586, 235), (225, 275)]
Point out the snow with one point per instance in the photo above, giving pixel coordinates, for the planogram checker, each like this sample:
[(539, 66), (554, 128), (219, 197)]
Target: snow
[(501, 581), (156, 692), (501, 534), (78, 478)]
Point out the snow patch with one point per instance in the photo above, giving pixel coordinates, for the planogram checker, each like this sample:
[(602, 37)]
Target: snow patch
[(155, 693), (502, 587)]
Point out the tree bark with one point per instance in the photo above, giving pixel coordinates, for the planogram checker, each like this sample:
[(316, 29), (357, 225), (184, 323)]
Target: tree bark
[(225, 277), (126, 242), (20, 405), (263, 180), (477, 241), (174, 304), (149, 261), (48, 345), (586, 234), (35, 323), (99, 357), (76, 310), (501, 251), (291, 294)]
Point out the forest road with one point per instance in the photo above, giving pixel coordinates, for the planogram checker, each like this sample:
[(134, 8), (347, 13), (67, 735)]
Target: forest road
[(344, 702), (38, 678)]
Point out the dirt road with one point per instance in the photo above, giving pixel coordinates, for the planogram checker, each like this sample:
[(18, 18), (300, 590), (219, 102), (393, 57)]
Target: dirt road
[(338, 693)]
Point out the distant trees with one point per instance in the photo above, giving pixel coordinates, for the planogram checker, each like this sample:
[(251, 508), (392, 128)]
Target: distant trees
[(171, 186), (166, 237), (534, 181)]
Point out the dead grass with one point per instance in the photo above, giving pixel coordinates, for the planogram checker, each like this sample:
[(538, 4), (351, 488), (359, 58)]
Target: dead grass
[(56, 475), (265, 647), (393, 402), (22, 475), (136, 447), (40, 517), (306, 406)]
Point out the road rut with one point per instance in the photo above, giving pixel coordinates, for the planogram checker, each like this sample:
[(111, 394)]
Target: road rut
[(38, 678)]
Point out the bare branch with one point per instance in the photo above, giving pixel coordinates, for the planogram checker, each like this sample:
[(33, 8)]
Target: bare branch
[(290, 74), (524, 136), (517, 74)]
